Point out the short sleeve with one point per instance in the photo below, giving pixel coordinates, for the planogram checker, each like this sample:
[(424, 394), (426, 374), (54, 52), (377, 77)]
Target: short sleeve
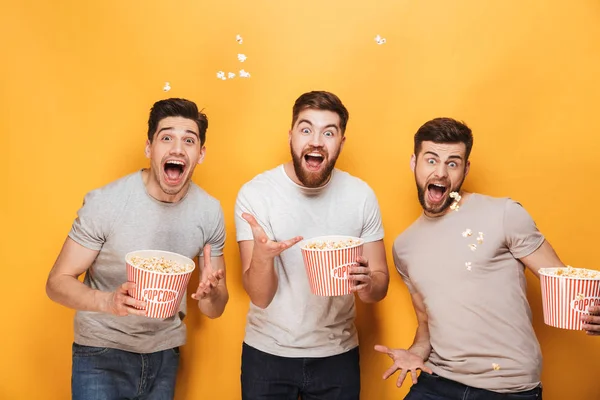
[(248, 202), (372, 225), (401, 268), (217, 235), (520, 231), (91, 227)]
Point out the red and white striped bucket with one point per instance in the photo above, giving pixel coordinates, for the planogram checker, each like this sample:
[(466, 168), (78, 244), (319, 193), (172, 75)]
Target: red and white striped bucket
[(566, 299), (327, 269), (162, 292)]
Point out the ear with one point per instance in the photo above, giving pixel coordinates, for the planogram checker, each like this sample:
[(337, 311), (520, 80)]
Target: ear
[(413, 163), (343, 141), (290, 136), (147, 151), (467, 168), (202, 154)]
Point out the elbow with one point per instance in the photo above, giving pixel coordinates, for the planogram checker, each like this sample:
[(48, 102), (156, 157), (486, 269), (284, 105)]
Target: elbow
[(261, 303)]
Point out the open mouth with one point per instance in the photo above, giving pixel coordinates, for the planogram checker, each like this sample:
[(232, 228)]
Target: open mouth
[(174, 170), (314, 160), (436, 192)]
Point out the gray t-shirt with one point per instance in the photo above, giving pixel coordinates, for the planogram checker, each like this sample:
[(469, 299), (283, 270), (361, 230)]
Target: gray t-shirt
[(474, 290), (122, 217), (298, 323)]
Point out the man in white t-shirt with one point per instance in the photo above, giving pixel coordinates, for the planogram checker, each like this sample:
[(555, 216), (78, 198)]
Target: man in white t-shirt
[(298, 343)]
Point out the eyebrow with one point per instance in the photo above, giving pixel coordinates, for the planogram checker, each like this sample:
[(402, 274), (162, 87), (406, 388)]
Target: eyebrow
[(166, 128), (326, 126), (449, 157)]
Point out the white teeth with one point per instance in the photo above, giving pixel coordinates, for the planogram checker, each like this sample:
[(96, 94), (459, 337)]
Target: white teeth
[(175, 162), (438, 185), (315, 155)]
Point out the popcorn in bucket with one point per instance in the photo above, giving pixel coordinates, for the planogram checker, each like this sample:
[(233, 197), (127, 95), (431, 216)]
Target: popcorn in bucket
[(327, 260), (567, 294), (161, 279)]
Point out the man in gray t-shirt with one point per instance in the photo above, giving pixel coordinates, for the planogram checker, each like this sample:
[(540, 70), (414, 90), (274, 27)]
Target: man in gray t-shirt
[(298, 344), (463, 262), (117, 351)]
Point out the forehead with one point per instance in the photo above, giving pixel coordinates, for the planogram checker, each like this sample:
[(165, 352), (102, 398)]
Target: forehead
[(318, 117), (444, 150), (178, 125)]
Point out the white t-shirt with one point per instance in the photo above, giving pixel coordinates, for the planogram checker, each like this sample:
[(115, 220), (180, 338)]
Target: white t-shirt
[(298, 323)]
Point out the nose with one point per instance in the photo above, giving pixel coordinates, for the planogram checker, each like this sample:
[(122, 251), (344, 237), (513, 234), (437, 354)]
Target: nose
[(316, 139), (176, 147), (441, 170)]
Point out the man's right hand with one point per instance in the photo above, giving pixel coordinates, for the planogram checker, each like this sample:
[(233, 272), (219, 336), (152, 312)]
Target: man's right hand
[(120, 303), (404, 361), (264, 248)]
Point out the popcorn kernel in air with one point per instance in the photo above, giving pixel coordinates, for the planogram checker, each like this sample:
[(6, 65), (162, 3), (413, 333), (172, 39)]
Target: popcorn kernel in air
[(242, 57), (167, 87), (467, 232), (495, 366), (239, 39), (473, 247), (380, 40), (244, 74)]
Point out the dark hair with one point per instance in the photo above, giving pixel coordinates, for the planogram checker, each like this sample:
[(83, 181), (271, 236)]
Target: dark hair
[(444, 130), (177, 108), (320, 100)]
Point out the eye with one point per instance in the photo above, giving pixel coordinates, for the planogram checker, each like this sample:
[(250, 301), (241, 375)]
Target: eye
[(328, 134), (452, 164), (166, 138), (305, 131), (190, 140), (431, 161)]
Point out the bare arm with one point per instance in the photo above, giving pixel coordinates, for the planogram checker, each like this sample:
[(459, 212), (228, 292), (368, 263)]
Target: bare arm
[(543, 257), (421, 345), (212, 294), (258, 275), (258, 263), (372, 275), (64, 288)]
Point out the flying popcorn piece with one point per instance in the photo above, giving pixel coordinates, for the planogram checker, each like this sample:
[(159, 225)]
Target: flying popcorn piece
[(495, 366), (380, 40), (221, 75), (580, 296), (239, 39), (473, 247), (231, 75), (242, 57), (467, 233), (480, 238), (244, 74), (167, 87), (468, 265), (456, 196)]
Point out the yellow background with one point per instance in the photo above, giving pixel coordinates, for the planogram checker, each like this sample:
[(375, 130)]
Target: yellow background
[(79, 77)]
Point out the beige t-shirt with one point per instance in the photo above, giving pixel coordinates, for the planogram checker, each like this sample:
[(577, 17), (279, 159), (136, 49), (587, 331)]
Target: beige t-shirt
[(474, 290), (298, 323)]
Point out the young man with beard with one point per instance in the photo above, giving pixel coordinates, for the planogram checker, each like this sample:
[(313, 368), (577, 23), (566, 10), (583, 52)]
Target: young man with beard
[(118, 352), (463, 261), (296, 343)]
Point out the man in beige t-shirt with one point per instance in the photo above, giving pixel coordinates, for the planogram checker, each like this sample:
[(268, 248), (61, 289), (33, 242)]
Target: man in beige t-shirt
[(463, 261)]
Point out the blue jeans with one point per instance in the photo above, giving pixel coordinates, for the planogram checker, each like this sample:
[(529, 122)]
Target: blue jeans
[(101, 373), (434, 387), (265, 376)]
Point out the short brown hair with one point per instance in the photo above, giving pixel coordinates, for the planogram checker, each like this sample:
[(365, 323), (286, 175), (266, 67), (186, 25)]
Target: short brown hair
[(177, 108), (444, 130), (321, 100)]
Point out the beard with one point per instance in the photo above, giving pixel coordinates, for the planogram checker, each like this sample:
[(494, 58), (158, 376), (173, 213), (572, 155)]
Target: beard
[(441, 208), (313, 179)]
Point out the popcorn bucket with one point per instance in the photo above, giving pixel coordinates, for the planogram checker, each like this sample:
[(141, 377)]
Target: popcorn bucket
[(327, 267), (162, 291), (566, 298)]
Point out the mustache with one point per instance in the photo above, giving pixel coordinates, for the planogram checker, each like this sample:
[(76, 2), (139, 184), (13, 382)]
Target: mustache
[(319, 150)]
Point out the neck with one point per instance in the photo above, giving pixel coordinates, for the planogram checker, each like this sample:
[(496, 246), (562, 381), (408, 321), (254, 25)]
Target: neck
[(153, 188)]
